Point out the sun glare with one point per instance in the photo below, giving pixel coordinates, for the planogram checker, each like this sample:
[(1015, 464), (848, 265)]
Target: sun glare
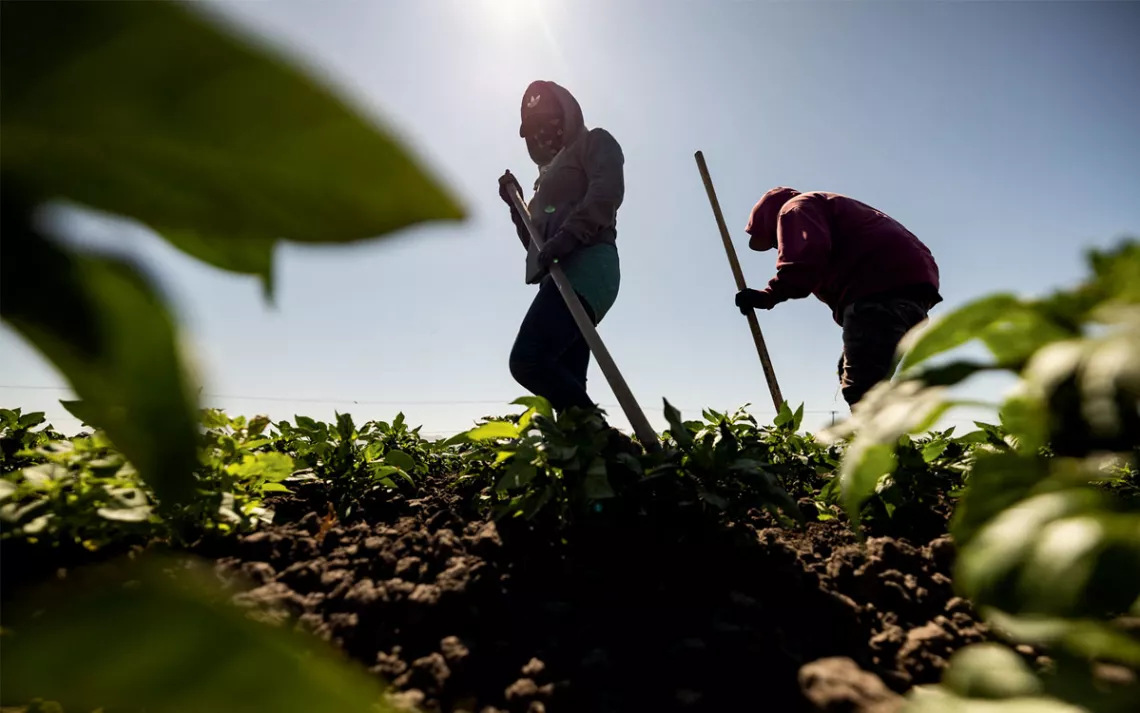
[(506, 16), (511, 20)]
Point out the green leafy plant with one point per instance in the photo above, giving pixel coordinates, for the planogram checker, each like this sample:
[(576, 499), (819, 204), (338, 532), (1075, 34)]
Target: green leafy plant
[(237, 447), (575, 465), (354, 461), (536, 461), (928, 476), (18, 433), (1048, 554), (735, 464), (83, 490)]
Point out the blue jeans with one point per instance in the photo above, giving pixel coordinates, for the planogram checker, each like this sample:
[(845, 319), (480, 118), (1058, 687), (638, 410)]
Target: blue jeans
[(550, 357)]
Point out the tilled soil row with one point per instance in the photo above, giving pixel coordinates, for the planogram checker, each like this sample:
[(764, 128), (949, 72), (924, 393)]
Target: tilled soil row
[(667, 613)]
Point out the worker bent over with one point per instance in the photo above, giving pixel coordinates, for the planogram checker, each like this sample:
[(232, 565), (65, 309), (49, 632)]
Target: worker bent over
[(878, 278)]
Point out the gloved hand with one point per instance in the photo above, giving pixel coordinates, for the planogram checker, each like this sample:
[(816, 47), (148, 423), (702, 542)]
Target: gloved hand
[(508, 182), (556, 248), (754, 299)]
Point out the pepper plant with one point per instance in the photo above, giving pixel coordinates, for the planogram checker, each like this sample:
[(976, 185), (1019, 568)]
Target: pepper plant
[(1048, 550)]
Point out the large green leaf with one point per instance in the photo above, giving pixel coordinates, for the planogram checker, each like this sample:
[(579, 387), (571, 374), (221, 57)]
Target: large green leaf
[(990, 569), (154, 635), (947, 374), (493, 431), (1078, 565), (1026, 420), (997, 481), (955, 329), (861, 472), (990, 670), (1020, 331), (1083, 637), (890, 409), (1092, 388), (931, 451), (400, 459), (938, 699), (30, 420), (252, 256), (267, 466), (80, 410), (152, 111), (538, 403), (100, 322)]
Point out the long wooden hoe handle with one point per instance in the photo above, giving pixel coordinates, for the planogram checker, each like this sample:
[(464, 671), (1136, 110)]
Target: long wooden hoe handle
[(633, 412), (753, 323)]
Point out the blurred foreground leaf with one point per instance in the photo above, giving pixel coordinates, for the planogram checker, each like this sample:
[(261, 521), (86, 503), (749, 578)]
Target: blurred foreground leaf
[(1091, 638), (101, 323), (152, 111), (954, 329), (157, 635), (997, 481), (990, 670)]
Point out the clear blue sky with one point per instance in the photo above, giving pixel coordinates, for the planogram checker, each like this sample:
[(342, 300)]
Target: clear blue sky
[(1003, 134)]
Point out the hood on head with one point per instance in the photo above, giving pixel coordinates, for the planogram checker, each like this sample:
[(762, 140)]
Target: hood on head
[(761, 226), (538, 97)]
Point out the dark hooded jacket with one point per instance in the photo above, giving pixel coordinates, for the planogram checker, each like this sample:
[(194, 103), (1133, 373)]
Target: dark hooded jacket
[(579, 191), (840, 250)]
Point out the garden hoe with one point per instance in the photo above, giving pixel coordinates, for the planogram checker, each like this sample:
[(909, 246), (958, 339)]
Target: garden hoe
[(753, 323), (629, 405)]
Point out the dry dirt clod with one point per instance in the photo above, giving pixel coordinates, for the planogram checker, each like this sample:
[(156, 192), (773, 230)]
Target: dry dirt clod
[(838, 684), (453, 649)]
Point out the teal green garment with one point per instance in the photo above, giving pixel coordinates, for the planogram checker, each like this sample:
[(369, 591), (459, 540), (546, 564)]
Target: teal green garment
[(595, 273)]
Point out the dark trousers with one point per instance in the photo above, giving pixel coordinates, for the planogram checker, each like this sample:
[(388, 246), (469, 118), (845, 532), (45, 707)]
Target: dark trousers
[(872, 330), (550, 357)]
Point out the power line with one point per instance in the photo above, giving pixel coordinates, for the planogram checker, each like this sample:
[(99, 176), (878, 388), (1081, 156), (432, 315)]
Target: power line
[(298, 399), (372, 402), (36, 388), (441, 432)]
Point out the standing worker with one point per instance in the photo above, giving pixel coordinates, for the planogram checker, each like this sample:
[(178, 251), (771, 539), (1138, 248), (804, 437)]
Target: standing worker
[(878, 278), (579, 189)]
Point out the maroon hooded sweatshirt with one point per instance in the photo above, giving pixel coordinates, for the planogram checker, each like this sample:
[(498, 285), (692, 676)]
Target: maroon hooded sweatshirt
[(840, 250)]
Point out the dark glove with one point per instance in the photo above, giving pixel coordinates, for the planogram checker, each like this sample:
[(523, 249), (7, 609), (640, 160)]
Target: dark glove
[(507, 182), (555, 249), (754, 299)]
